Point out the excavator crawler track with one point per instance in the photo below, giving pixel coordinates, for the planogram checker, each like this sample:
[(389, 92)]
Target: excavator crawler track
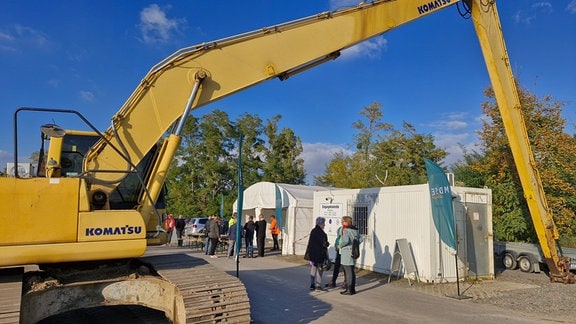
[(209, 295), (184, 288)]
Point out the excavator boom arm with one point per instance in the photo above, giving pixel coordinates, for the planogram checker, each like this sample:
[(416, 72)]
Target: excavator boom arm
[(198, 75), (236, 63)]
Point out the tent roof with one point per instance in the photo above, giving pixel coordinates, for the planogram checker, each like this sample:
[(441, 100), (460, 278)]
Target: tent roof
[(263, 195)]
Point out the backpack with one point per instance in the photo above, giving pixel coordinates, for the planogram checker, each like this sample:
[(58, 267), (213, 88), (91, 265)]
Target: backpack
[(355, 249)]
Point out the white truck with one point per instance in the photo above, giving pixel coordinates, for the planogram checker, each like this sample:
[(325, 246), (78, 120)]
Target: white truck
[(527, 256)]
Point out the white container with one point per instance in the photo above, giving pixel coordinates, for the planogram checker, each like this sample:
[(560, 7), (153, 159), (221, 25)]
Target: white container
[(387, 214)]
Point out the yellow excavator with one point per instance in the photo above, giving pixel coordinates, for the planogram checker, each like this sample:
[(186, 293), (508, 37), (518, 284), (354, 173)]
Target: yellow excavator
[(98, 196)]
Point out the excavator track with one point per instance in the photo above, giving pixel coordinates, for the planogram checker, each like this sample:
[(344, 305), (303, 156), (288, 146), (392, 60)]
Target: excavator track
[(184, 288), (11, 291), (209, 295)]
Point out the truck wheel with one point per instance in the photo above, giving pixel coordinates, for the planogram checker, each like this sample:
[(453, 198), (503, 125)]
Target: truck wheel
[(509, 261), (525, 264)]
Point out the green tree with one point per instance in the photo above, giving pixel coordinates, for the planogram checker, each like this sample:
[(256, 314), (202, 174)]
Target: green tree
[(384, 156), (206, 165), (253, 148), (555, 157), (204, 168), (283, 163), (401, 155)]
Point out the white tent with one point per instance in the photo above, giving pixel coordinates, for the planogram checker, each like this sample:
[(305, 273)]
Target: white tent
[(297, 202)]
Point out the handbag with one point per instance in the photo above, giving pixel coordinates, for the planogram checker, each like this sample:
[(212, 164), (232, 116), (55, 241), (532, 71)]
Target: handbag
[(355, 249), (326, 264)]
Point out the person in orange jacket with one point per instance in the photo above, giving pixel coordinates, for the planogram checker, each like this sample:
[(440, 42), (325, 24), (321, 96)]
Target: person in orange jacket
[(274, 230), (169, 227)]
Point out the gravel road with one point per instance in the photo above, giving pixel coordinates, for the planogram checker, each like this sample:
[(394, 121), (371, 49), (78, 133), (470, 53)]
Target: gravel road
[(530, 293)]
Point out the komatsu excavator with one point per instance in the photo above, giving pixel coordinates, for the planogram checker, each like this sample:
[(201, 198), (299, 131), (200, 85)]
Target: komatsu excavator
[(97, 197)]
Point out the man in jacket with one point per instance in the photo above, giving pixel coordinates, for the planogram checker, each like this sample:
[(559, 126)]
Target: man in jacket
[(214, 236), (232, 239), (180, 225), (249, 229), (261, 235)]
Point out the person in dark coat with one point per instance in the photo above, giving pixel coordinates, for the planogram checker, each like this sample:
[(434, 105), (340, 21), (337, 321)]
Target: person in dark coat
[(249, 229), (317, 252), (214, 236), (180, 225), (261, 234)]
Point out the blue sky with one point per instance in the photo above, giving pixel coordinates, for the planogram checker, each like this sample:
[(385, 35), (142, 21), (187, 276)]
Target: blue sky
[(90, 55)]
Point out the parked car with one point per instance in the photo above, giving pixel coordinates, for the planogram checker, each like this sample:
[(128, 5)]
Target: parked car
[(195, 225)]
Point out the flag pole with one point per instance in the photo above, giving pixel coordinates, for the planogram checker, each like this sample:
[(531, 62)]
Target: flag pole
[(239, 207), (443, 211)]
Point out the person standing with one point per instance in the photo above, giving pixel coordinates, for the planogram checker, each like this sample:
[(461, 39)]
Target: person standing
[(317, 252), (232, 239), (337, 261), (260, 234), (170, 224), (349, 233), (232, 219), (249, 229), (180, 225), (274, 231), (206, 230), (214, 236)]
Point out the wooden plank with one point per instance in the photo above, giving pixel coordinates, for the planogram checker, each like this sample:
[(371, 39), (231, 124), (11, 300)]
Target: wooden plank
[(10, 294)]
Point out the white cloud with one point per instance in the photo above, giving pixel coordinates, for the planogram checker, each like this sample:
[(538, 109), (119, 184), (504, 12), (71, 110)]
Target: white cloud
[(454, 144), (316, 156), (54, 83), (520, 17), (17, 37), (5, 155), (86, 96), (456, 132), (544, 6), (5, 37), (528, 15), (155, 26), (571, 8), (451, 121), (372, 48), (450, 124)]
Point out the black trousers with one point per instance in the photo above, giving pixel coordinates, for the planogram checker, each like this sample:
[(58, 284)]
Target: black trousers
[(275, 239), (336, 270), (261, 241), (213, 245), (350, 278)]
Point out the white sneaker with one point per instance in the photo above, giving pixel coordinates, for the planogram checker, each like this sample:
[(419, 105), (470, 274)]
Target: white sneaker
[(214, 256)]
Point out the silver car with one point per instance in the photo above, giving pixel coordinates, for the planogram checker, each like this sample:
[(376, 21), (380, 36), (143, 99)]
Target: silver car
[(195, 225)]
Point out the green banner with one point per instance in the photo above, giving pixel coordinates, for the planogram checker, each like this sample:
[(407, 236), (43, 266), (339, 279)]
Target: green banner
[(441, 199), (278, 207)]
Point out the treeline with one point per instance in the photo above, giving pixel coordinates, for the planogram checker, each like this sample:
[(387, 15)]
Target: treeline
[(204, 176), (206, 167)]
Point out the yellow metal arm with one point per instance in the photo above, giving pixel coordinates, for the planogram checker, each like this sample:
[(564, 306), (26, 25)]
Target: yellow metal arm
[(198, 75), (236, 63), (489, 31)]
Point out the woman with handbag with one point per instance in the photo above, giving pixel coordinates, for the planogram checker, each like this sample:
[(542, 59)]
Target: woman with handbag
[(317, 253), (349, 233)]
